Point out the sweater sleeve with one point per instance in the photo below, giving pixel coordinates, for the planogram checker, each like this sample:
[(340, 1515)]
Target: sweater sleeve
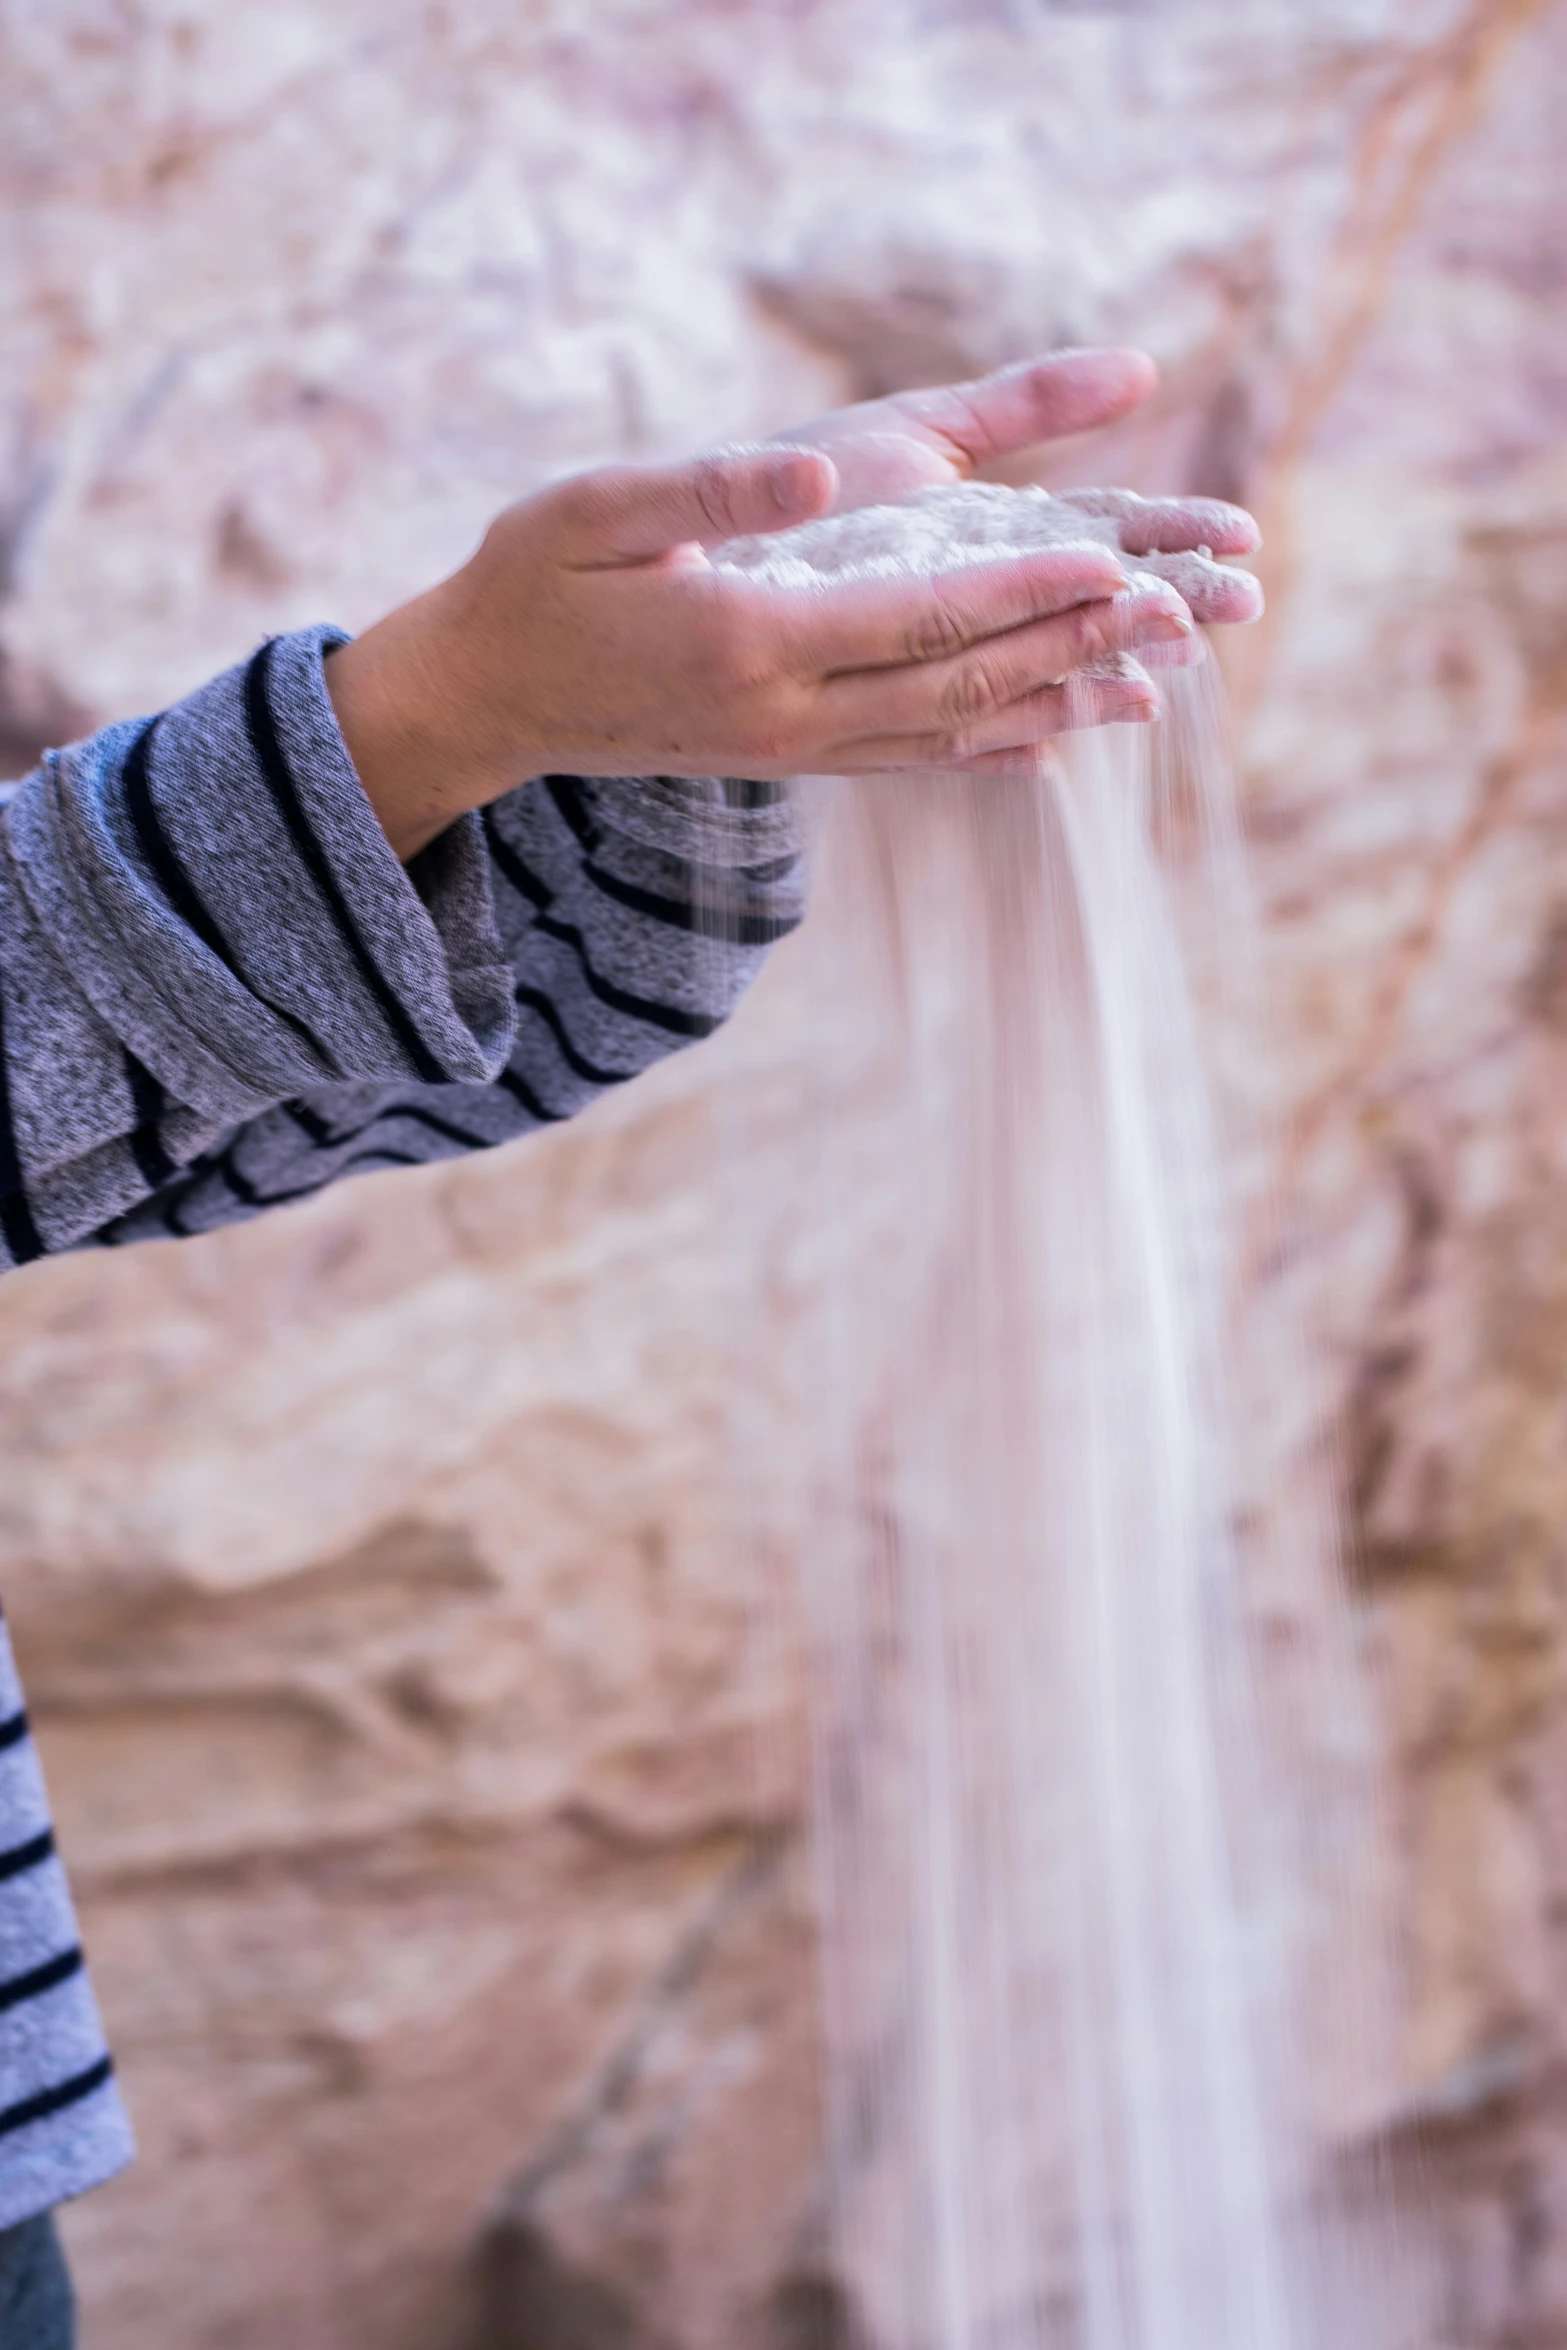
[(219, 990)]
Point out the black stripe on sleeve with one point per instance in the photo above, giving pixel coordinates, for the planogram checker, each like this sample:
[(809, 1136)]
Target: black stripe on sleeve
[(520, 1090), (669, 1017), (708, 920), (39, 1979), (22, 1236), (225, 1168), (566, 792), (175, 1198), (268, 747), (240, 1187), (417, 1115), (548, 1011), (181, 892), (54, 2100), (158, 850), (773, 869), (414, 1112), (381, 1156), (13, 1729), (17, 1859), (148, 1103), (309, 1122), (228, 1170), (748, 793), (527, 884)]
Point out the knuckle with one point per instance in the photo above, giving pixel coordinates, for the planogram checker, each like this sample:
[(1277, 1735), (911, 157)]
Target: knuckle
[(938, 632), (713, 490), (1094, 633), (972, 692)]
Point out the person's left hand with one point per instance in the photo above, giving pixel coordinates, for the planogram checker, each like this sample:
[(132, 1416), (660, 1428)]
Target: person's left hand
[(884, 449)]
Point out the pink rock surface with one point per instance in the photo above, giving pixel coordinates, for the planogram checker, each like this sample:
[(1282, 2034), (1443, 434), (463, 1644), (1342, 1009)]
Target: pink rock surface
[(433, 1798)]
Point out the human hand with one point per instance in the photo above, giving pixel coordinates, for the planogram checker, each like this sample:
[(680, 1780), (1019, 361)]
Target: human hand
[(885, 449), (589, 634)]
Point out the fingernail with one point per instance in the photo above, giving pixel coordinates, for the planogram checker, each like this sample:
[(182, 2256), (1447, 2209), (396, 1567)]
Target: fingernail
[(1163, 627), (797, 485), (787, 490)]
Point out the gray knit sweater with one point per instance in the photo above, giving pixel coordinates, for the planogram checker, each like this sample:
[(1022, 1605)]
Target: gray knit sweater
[(219, 991)]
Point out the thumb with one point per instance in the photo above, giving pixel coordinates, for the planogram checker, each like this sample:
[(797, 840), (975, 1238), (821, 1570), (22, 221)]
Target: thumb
[(631, 512)]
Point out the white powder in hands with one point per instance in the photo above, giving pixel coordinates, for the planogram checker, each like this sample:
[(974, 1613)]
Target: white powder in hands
[(940, 529)]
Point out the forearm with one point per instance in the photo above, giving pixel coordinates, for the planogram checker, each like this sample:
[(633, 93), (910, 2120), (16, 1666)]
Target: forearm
[(219, 991), (410, 709), (199, 917), (633, 916)]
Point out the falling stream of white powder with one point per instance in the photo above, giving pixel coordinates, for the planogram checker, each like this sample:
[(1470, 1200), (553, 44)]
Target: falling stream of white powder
[(1076, 1857)]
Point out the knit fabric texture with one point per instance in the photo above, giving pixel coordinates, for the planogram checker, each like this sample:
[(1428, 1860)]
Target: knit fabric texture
[(219, 992)]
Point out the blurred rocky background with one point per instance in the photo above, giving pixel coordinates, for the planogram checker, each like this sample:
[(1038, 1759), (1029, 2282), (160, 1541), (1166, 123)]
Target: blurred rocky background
[(431, 1776)]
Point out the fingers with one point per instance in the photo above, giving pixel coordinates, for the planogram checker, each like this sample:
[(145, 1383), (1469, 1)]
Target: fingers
[(627, 513), (978, 696), (1030, 759), (1212, 590), (1052, 711), (1150, 526), (1189, 655), (1176, 539), (1036, 401), (857, 624)]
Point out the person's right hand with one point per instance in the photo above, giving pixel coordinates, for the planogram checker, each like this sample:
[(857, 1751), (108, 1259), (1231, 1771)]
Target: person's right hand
[(590, 635)]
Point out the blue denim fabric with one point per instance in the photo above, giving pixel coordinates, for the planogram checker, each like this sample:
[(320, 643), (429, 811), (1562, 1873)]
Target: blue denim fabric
[(37, 2306)]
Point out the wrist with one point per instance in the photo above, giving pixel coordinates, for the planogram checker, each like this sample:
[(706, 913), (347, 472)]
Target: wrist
[(408, 712)]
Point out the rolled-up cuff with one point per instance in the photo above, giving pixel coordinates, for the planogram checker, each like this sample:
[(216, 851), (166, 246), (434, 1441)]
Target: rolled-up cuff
[(219, 888)]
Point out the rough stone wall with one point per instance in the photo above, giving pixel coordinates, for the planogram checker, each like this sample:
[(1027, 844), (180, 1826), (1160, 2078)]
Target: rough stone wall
[(432, 1794)]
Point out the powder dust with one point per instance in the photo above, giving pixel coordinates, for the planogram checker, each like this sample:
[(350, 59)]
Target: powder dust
[(1091, 1776)]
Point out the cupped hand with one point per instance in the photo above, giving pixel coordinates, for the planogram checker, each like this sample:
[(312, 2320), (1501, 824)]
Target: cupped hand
[(590, 634), (884, 449)]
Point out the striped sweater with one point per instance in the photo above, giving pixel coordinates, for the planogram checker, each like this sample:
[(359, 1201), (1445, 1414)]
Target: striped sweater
[(220, 991)]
